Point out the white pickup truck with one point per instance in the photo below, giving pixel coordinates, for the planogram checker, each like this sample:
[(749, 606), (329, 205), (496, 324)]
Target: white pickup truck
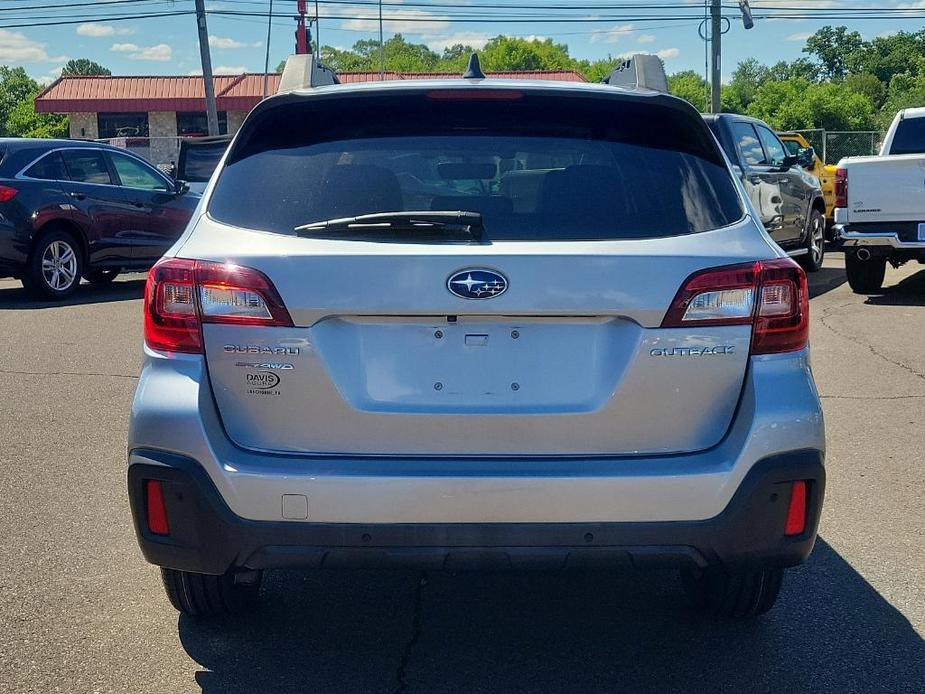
[(880, 204)]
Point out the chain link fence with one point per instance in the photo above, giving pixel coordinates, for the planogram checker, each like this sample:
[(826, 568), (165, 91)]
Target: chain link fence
[(833, 145), (160, 151)]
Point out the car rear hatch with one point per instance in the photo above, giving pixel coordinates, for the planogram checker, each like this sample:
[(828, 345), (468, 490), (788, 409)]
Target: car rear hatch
[(539, 334)]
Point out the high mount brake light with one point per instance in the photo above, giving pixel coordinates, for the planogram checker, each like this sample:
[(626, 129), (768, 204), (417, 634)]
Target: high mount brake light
[(181, 295), (841, 187), (770, 295), (471, 94)]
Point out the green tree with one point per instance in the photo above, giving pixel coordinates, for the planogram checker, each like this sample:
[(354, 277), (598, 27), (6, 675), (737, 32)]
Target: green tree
[(513, 53), (836, 50), (83, 66), (690, 86), (17, 108), (798, 104)]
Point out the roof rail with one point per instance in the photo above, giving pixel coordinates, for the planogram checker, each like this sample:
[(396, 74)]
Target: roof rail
[(303, 71), (639, 71)]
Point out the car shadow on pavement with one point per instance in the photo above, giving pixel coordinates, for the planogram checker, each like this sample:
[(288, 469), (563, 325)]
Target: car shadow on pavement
[(555, 632), (16, 298), (909, 292), (825, 280)]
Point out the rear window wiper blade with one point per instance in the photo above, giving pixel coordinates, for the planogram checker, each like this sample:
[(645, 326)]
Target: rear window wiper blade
[(440, 224)]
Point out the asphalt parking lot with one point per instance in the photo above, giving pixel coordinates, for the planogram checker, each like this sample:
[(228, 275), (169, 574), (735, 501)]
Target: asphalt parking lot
[(80, 611)]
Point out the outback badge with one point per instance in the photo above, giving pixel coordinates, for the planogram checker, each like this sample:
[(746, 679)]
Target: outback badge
[(477, 283)]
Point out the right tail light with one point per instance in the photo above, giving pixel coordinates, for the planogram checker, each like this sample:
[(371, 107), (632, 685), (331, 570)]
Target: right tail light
[(770, 295), (841, 187)]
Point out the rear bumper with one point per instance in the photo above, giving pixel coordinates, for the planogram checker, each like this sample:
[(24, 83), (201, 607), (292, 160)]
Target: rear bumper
[(207, 537), (885, 241)]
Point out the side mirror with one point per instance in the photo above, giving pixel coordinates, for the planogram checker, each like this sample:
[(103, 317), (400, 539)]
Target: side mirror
[(806, 157), (180, 187), (789, 160)]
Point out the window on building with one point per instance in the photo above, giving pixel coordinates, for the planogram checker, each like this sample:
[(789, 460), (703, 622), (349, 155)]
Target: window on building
[(122, 124), (196, 123)]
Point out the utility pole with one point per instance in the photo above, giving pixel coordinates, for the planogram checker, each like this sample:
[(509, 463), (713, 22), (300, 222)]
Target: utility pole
[(301, 37), (716, 45), (211, 111)]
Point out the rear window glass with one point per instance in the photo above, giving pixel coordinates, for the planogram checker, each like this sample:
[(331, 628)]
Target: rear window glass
[(909, 137), (535, 167), (198, 161), (86, 166), (50, 168)]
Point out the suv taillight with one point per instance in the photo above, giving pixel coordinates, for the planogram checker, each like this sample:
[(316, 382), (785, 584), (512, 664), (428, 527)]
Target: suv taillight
[(841, 187), (181, 295), (770, 295)]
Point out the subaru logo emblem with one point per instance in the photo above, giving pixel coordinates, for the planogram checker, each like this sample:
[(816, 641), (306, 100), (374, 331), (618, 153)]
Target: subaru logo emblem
[(477, 284)]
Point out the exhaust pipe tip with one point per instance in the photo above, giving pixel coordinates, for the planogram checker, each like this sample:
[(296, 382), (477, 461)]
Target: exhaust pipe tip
[(863, 254)]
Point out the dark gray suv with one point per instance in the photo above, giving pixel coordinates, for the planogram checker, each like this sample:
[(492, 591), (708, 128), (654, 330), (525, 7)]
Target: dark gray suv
[(787, 198)]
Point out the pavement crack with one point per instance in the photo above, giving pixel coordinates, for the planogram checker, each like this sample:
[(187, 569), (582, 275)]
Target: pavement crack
[(15, 372), (871, 397), (402, 670), (873, 350)]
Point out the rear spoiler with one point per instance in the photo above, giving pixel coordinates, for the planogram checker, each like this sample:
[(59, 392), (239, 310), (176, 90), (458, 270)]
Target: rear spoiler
[(304, 71), (639, 71)]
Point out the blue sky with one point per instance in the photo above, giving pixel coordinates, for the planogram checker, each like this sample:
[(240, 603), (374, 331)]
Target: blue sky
[(168, 45)]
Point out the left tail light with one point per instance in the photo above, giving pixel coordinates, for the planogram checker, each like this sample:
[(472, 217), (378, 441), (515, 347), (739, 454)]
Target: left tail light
[(181, 295), (7, 193)]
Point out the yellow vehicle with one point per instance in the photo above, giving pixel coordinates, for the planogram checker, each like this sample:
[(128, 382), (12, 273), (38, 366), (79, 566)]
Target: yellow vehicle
[(799, 146)]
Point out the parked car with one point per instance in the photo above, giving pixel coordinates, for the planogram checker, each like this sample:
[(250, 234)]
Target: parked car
[(70, 208), (788, 200), (584, 350), (807, 157), (880, 206)]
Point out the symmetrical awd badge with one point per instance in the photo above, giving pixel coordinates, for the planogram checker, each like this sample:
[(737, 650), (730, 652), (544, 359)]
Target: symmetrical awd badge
[(477, 283)]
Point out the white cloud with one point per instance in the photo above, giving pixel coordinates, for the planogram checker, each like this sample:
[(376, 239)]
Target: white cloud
[(223, 42), (17, 48), (611, 35), (667, 53), (97, 30), (422, 22), (646, 38), (474, 39), (799, 36), (160, 52), (50, 76)]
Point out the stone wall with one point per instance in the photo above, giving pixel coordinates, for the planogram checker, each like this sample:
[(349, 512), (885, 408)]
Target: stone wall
[(162, 129), (83, 126)]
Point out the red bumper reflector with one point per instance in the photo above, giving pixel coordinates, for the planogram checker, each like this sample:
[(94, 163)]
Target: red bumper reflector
[(796, 512), (155, 510)]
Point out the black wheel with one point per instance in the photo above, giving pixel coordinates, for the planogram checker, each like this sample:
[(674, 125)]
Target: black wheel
[(204, 595), (101, 277), (815, 242), (54, 267), (865, 276), (736, 594)]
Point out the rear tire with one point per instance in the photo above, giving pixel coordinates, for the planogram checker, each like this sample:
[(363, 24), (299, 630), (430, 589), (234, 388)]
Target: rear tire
[(204, 595), (815, 242), (54, 267), (733, 594), (865, 276), (99, 278)]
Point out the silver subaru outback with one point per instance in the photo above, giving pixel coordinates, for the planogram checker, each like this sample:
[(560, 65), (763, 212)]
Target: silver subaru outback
[(475, 323)]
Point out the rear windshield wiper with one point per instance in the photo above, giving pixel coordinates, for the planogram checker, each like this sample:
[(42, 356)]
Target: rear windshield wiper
[(411, 225)]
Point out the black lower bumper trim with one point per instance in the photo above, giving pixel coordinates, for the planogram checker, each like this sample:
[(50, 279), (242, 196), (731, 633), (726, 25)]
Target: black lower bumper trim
[(207, 537)]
